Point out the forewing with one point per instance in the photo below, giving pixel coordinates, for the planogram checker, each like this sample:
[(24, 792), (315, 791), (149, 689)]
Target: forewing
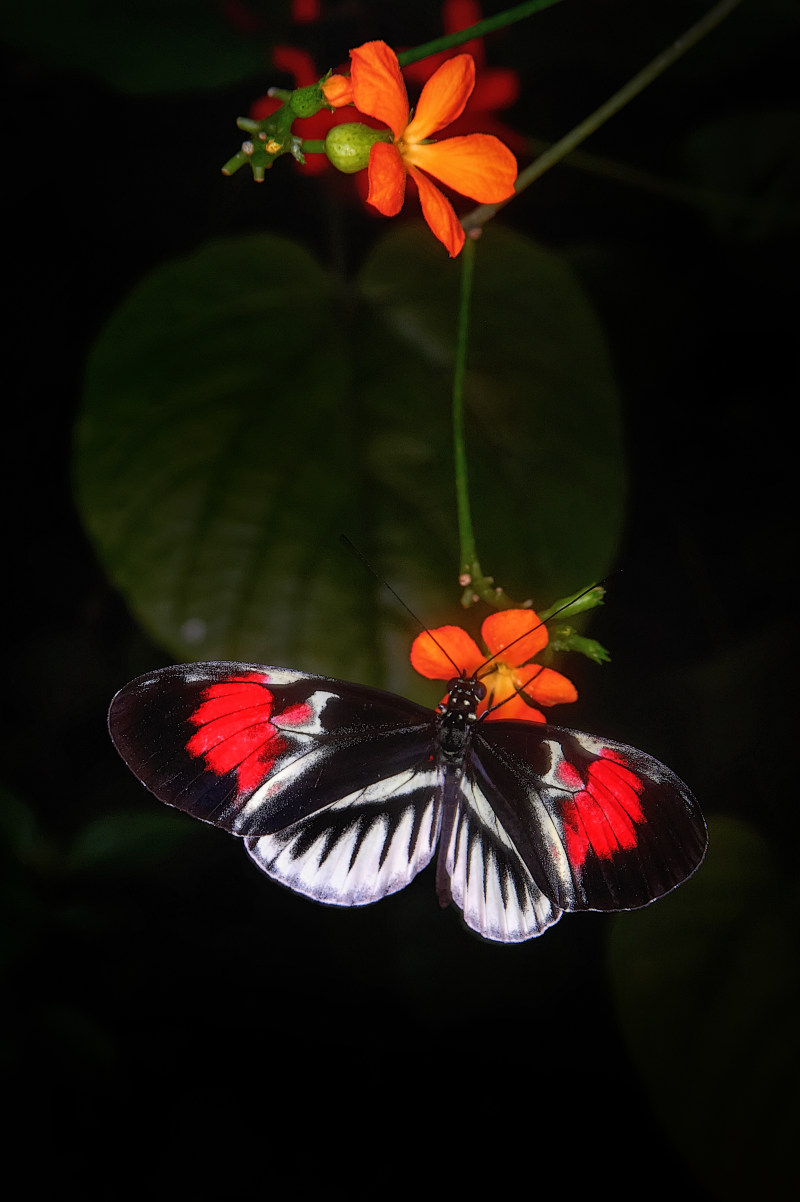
[(486, 876), (256, 749), (599, 825)]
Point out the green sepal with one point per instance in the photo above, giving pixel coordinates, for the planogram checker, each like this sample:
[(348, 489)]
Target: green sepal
[(566, 638), (576, 603)]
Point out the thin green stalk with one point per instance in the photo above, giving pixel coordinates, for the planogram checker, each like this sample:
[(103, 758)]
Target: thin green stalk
[(518, 13), (466, 534), (471, 578), (479, 216)]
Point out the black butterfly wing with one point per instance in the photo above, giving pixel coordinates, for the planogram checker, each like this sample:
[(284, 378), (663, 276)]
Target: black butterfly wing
[(370, 843), (340, 792), (334, 786), (481, 870), (598, 825)]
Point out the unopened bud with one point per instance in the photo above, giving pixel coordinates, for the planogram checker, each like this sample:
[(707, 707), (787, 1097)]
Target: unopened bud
[(348, 146)]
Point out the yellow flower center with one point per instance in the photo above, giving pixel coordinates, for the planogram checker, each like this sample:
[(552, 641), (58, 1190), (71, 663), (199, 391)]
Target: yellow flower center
[(501, 681)]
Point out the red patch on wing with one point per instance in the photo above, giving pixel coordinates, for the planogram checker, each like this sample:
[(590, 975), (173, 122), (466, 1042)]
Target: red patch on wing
[(296, 715), (568, 775), (235, 730), (601, 818)]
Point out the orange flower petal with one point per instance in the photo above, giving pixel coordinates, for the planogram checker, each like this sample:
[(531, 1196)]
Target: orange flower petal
[(439, 214), (515, 709), (430, 658), (550, 688), (443, 98), (338, 90), (387, 179), (477, 165), (499, 631), (378, 86)]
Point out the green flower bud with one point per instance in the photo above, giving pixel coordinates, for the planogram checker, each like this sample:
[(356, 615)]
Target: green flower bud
[(348, 146), (305, 102)]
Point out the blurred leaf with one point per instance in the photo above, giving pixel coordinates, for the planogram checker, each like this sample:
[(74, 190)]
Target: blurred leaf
[(706, 987), (19, 829), (22, 914), (750, 165), (242, 409), (757, 669), (127, 841), (140, 46)]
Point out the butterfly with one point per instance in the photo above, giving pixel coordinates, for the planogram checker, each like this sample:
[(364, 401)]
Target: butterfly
[(342, 793)]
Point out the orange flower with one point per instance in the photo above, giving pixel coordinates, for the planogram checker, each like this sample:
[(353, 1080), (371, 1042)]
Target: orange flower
[(518, 635), (477, 165)]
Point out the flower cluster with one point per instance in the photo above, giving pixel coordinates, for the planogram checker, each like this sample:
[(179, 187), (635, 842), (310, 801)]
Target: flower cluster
[(388, 144)]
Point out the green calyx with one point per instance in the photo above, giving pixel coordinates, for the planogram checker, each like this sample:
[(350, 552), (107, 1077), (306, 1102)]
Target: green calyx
[(348, 146), (566, 638)]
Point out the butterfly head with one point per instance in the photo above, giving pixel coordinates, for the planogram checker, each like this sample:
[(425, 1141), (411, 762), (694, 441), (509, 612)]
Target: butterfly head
[(463, 697)]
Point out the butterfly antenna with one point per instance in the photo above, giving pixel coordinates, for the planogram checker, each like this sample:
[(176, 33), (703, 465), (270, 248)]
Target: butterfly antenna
[(360, 555)]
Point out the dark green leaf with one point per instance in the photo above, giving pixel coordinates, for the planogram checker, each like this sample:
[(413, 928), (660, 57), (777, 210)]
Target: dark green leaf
[(127, 842), (139, 46), (243, 409), (20, 836), (749, 165)]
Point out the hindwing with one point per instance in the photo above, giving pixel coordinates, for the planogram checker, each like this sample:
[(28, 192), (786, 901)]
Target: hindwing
[(369, 844), (487, 878), (599, 825)]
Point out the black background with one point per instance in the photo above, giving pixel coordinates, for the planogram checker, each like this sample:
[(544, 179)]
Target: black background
[(190, 1020)]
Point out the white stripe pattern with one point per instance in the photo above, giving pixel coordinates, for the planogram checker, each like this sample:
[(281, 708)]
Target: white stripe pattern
[(360, 849), (488, 880)]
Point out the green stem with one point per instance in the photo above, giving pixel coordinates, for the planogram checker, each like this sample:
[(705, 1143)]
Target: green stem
[(479, 216), (447, 41), (466, 535), (476, 586)]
